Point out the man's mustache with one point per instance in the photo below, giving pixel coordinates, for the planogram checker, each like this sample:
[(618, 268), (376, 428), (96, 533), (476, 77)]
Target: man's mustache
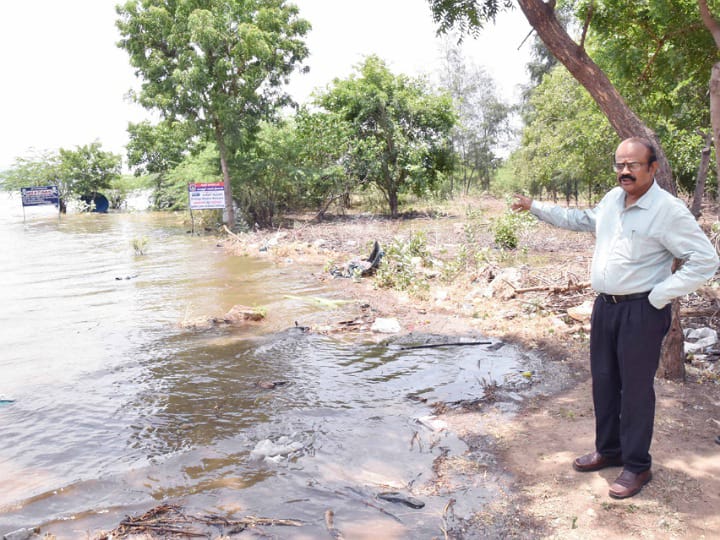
[(627, 177)]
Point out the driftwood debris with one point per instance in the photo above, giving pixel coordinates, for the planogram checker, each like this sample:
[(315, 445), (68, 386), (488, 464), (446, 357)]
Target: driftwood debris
[(330, 524), (231, 233), (451, 344), (554, 288), (397, 497), (699, 312), (168, 520), (362, 498)]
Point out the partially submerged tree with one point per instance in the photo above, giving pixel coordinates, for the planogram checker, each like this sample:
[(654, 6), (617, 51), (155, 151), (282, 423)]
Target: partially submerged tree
[(36, 169), (400, 129), (88, 170), (84, 171), (216, 65)]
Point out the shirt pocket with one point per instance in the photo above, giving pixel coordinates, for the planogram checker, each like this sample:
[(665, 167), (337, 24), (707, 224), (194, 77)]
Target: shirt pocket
[(642, 246), (633, 246)]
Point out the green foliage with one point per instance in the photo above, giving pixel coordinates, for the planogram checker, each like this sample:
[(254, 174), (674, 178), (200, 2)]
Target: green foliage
[(271, 179), (660, 59), (508, 227), (399, 267), (567, 143), (483, 120), (466, 17), (123, 186), (86, 170), (400, 129), (506, 180), (40, 169), (155, 150), (217, 66), (139, 245), (325, 143), (170, 190), (659, 56)]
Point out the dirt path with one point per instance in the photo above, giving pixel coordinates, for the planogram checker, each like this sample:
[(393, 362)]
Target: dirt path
[(545, 497)]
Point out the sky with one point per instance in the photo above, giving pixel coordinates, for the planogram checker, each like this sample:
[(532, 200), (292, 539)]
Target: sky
[(64, 80)]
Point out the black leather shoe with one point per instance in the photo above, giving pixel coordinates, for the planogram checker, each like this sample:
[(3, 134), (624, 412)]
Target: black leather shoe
[(629, 484), (594, 462)]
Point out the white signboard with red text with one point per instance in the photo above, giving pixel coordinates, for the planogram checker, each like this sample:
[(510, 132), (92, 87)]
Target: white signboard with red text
[(206, 196)]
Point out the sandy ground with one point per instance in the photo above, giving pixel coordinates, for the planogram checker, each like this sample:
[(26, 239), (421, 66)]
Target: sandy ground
[(534, 447)]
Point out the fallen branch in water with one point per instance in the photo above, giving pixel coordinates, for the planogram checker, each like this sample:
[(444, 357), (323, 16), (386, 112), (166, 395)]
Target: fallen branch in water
[(164, 529), (452, 344), (231, 233), (448, 514), (364, 501), (330, 524)]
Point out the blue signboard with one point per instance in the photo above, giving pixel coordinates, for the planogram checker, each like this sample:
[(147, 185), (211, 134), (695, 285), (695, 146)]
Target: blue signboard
[(36, 196)]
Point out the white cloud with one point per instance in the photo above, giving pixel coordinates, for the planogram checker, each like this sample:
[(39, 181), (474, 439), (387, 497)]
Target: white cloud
[(65, 80)]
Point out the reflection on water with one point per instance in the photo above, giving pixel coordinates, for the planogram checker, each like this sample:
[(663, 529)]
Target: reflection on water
[(116, 407)]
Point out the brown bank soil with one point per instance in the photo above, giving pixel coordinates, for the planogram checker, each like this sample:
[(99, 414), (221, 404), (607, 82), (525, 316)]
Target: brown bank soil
[(542, 496)]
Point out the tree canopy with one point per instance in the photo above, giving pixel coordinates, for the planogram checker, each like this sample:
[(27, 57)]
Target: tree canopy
[(483, 123), (400, 129), (217, 65), (84, 171)]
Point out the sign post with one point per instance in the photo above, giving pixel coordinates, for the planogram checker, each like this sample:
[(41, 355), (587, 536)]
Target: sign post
[(38, 196), (207, 196)]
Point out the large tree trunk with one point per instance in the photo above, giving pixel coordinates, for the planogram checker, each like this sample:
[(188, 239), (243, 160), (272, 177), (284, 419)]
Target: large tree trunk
[(624, 121), (229, 214), (714, 28), (715, 115), (394, 203), (669, 368), (702, 175)]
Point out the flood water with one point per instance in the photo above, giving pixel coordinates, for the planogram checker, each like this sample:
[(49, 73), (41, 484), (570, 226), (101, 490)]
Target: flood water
[(112, 407)]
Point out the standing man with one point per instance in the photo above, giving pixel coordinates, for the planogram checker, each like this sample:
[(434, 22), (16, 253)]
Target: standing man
[(640, 228)]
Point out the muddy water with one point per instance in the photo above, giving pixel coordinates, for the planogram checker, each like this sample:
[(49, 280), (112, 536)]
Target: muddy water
[(112, 407)]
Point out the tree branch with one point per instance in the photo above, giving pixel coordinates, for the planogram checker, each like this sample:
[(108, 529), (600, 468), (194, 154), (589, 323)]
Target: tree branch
[(660, 43), (554, 289), (588, 18), (710, 22)]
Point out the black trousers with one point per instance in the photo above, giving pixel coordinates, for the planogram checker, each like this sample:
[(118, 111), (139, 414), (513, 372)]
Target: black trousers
[(625, 341)]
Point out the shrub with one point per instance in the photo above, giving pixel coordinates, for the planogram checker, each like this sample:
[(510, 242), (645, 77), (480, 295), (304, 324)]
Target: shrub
[(508, 228), (399, 265)]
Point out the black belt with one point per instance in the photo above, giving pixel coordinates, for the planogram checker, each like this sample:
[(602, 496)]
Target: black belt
[(616, 298)]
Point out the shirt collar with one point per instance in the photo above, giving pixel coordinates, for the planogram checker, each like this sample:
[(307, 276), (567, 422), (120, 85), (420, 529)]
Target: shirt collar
[(645, 201)]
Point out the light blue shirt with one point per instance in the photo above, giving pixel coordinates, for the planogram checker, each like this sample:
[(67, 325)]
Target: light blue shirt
[(635, 246)]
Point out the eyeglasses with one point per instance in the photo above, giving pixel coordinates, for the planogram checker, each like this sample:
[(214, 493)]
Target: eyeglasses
[(632, 165)]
